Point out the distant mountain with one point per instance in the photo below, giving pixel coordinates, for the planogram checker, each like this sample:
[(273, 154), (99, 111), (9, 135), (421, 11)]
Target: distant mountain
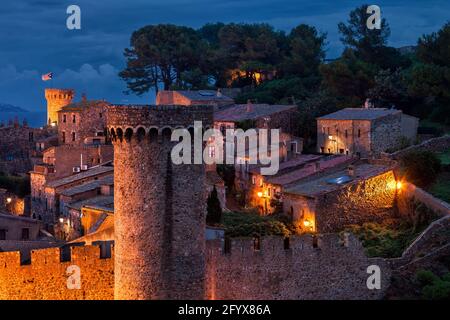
[(11, 108), (9, 112)]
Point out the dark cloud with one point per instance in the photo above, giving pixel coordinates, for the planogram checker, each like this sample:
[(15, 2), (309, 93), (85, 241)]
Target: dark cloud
[(34, 38)]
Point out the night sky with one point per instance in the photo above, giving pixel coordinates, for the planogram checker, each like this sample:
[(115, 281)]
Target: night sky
[(34, 39)]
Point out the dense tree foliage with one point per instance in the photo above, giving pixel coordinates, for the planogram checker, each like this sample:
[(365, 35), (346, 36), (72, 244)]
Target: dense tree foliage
[(272, 66), (214, 209), (420, 167)]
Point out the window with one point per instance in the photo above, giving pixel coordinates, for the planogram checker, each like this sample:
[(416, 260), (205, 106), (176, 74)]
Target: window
[(2, 234), (30, 136), (359, 133), (25, 234), (328, 130), (346, 133), (294, 146), (100, 115), (269, 192), (74, 118), (64, 118), (341, 150), (63, 138), (261, 183), (73, 136), (253, 180), (96, 141)]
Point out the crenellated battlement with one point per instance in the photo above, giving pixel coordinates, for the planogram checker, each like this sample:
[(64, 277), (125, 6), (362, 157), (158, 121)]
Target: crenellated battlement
[(49, 273), (55, 256), (59, 94), (297, 245)]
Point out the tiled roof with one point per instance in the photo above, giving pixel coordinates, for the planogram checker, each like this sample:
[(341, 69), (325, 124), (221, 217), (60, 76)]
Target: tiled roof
[(100, 202), (359, 114), (76, 106), (286, 165), (309, 170), (322, 184), (204, 95), (240, 112), (79, 176), (91, 185)]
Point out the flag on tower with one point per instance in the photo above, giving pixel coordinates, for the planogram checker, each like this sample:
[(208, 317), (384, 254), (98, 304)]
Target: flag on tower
[(47, 76)]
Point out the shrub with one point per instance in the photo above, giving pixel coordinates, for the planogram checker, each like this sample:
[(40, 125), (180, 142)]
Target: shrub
[(420, 167), (433, 287)]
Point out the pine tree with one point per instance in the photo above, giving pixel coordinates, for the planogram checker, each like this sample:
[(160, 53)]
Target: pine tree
[(214, 210)]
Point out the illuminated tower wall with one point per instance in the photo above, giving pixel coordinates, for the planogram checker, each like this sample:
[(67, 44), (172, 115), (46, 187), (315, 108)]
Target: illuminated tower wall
[(56, 99)]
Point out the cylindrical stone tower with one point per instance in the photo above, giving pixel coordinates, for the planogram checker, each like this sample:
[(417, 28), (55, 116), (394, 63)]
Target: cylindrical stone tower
[(160, 207), (56, 99)]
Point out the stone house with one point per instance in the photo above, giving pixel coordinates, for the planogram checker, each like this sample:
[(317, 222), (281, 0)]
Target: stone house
[(83, 123), (364, 192), (18, 228), (364, 131), (193, 97), (46, 199), (265, 192)]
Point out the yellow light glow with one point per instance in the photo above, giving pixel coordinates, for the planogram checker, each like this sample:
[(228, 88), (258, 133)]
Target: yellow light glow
[(307, 223), (61, 220), (330, 137), (260, 194), (8, 200), (399, 185)]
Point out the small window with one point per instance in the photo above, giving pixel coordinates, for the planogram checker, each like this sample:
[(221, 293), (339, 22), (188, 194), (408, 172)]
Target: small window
[(253, 180), (2, 234), (63, 137), (74, 118), (64, 118), (25, 234), (100, 115), (269, 192), (346, 133), (73, 136), (341, 151), (359, 133)]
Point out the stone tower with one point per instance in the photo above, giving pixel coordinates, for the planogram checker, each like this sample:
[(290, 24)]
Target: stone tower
[(56, 99), (160, 207)]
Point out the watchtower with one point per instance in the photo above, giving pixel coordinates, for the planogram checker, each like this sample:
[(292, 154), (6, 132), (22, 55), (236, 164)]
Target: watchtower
[(160, 207), (56, 99)]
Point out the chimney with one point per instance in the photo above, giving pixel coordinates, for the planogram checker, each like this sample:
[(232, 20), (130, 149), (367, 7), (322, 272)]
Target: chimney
[(317, 166), (351, 171), (249, 105), (368, 104)]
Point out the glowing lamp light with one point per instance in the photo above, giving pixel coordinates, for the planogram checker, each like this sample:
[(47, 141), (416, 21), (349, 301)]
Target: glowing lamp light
[(8, 200), (61, 220), (330, 137), (260, 194), (307, 223), (399, 185), (53, 124)]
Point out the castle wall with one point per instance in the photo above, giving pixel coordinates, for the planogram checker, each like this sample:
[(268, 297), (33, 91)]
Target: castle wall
[(334, 269), (46, 278)]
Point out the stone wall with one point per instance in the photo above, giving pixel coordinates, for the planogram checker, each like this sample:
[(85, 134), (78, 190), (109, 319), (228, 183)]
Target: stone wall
[(56, 99), (47, 276), (365, 200), (334, 268), (410, 193), (439, 144), (386, 133), (369, 200)]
